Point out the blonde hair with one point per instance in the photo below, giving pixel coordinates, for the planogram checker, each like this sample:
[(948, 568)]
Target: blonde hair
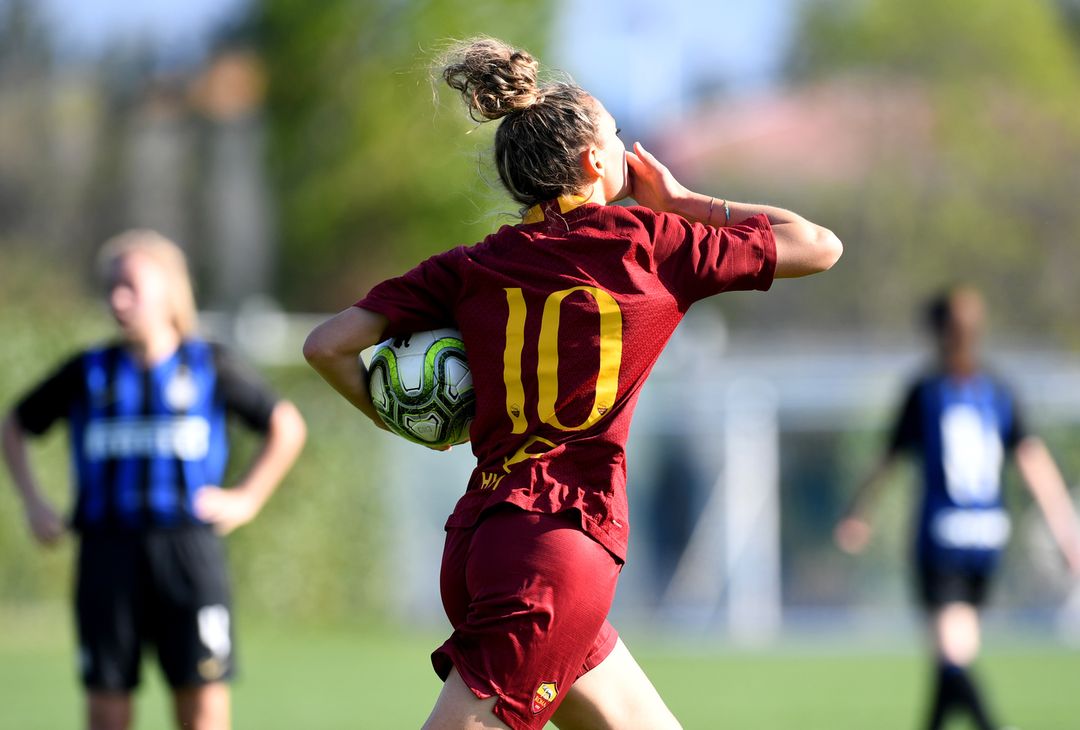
[(166, 254)]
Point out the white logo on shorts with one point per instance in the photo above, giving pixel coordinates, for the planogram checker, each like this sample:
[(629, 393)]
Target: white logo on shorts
[(214, 630)]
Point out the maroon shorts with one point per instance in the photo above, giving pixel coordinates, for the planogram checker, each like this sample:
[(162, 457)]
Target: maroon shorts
[(528, 596)]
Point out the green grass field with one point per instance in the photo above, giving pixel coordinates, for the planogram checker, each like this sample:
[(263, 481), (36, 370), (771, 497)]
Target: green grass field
[(314, 679)]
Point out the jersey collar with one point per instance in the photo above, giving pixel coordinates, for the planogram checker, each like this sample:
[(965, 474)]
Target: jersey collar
[(566, 204)]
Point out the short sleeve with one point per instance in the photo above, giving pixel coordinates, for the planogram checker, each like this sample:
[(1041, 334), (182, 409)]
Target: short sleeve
[(695, 261), (421, 299), (242, 391), (1017, 426), (51, 399), (907, 431)]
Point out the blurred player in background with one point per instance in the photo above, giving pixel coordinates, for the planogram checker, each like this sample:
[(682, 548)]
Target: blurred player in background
[(563, 317), (962, 422), (147, 423)]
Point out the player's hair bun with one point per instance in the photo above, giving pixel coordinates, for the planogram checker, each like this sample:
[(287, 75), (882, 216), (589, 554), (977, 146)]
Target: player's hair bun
[(544, 126), (493, 78)]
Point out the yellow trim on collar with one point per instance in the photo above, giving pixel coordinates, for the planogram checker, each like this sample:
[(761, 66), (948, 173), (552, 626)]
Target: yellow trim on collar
[(567, 203), (534, 214)]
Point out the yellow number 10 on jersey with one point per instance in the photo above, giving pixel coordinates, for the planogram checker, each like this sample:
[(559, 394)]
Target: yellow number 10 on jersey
[(547, 374)]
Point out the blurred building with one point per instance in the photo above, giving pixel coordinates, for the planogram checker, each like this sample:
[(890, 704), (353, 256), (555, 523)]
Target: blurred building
[(90, 147), (830, 133)]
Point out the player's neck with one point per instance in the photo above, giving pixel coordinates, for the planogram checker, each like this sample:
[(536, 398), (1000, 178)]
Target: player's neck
[(962, 368), (595, 194), (155, 347)]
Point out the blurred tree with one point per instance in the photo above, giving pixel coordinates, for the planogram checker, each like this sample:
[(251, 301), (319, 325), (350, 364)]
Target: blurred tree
[(1070, 11), (24, 69), (993, 200), (369, 178)]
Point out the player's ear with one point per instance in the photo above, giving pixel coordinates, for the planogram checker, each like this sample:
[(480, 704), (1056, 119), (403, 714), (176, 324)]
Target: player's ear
[(592, 162)]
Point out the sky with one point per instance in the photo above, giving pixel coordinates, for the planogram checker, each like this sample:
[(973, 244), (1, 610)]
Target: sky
[(179, 26), (643, 58)]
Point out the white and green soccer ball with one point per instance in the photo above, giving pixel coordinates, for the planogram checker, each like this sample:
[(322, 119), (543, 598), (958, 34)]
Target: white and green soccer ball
[(422, 387)]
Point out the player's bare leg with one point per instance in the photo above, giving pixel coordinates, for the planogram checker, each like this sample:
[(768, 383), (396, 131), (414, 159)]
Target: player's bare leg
[(615, 695), (206, 707), (108, 710), (955, 628), (459, 709)]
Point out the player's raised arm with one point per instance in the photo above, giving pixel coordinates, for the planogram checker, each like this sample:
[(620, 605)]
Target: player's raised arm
[(333, 349), (802, 247)]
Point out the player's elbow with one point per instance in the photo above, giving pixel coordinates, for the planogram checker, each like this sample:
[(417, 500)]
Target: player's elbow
[(805, 248), (827, 249), (287, 418), (343, 336), (322, 345), (287, 423)]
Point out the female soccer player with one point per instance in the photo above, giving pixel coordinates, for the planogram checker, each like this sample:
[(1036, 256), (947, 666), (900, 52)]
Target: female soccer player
[(146, 418), (962, 422), (563, 317)]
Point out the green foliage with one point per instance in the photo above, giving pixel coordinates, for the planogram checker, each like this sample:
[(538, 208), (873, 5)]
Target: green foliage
[(989, 196), (43, 319), (1001, 43), (315, 553), (370, 173)]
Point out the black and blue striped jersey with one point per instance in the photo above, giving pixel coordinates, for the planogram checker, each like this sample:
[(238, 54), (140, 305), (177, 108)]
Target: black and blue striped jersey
[(962, 428), (143, 440)]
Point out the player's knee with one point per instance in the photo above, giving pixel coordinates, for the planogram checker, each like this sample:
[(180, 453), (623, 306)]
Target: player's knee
[(958, 634)]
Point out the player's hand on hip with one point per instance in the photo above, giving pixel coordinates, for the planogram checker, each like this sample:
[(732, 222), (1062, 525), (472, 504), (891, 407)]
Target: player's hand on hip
[(225, 509), (852, 535), (651, 183), (44, 522)]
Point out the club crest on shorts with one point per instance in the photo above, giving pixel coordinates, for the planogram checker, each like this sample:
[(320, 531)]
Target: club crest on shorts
[(545, 694)]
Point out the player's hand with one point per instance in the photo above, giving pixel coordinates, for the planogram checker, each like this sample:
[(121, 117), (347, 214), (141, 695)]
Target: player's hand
[(852, 535), (225, 509), (376, 419), (44, 522), (651, 183)]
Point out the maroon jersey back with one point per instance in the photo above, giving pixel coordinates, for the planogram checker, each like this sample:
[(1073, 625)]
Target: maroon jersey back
[(563, 318)]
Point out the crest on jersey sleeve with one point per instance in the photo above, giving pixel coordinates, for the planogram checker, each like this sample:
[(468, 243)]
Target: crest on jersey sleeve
[(545, 694)]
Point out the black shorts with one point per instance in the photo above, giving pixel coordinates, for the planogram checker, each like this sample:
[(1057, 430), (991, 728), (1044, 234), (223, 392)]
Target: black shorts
[(938, 586), (168, 588)]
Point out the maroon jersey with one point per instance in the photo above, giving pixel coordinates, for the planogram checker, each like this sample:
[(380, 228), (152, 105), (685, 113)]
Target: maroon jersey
[(563, 318)]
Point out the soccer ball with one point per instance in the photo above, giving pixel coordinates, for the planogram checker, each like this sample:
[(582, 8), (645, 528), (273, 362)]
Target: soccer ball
[(422, 387)]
